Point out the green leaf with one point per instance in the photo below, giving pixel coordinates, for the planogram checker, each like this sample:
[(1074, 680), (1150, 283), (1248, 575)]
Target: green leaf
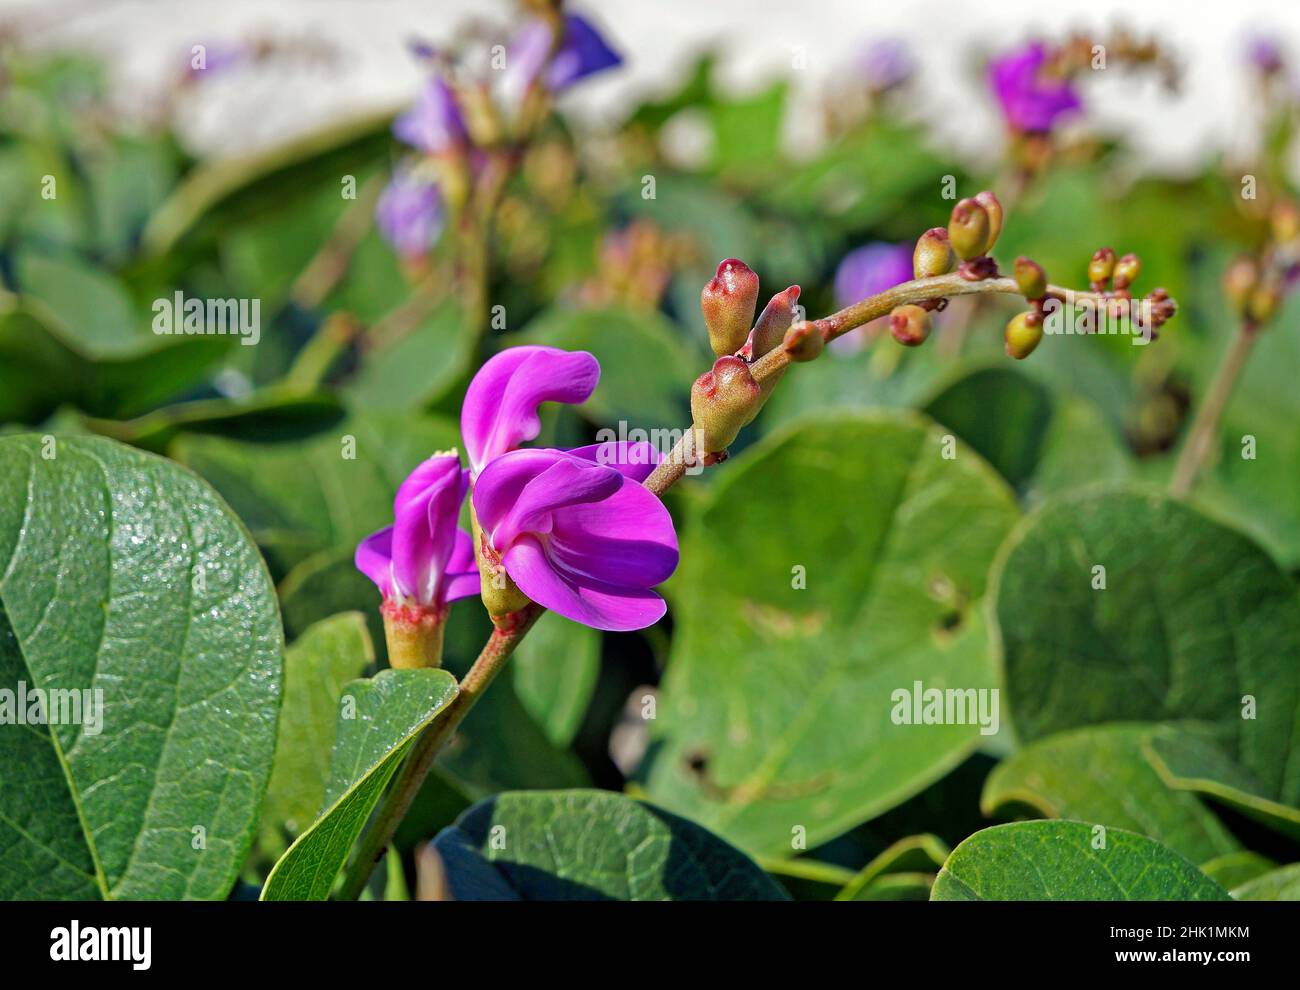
[(418, 368), (378, 721), (591, 845), (555, 670), (1282, 884), (1234, 869), (316, 667), (1066, 861), (1193, 619), (917, 854), (1093, 774), (327, 489), (777, 707), (122, 573)]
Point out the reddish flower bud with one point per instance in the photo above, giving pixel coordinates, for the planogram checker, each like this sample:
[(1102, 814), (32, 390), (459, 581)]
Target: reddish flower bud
[(968, 229), (1285, 221), (1264, 302), (1239, 281), (723, 400), (993, 208), (1102, 266), (773, 322), (1023, 334), (728, 302), (1126, 271), (804, 342), (933, 254), (910, 325), (1031, 280)]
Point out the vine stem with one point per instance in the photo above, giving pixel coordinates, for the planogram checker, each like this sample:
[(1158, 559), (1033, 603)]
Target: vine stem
[(1205, 426), (511, 631)]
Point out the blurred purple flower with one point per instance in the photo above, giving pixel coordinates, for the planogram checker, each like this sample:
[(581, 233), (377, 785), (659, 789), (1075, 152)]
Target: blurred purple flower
[(409, 214), (577, 535), (1030, 101), (500, 407), (219, 57), (871, 269), (582, 52), (434, 123), (1264, 54), (422, 558), (886, 63)]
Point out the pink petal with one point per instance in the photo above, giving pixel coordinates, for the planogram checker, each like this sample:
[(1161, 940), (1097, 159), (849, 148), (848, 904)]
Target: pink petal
[(633, 459), (374, 559), (626, 539), (425, 512)]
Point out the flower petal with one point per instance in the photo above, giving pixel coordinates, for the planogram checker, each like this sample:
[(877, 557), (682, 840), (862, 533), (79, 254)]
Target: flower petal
[(434, 123), (424, 530), (518, 492), (626, 539), (593, 604), (500, 408), (461, 579), (374, 559), (635, 459)]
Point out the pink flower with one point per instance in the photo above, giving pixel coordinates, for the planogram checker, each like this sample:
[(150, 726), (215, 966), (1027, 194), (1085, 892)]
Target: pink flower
[(423, 559)]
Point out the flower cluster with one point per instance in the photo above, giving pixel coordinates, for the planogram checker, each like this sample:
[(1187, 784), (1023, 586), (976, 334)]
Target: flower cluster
[(573, 530), (458, 114), (1257, 284)]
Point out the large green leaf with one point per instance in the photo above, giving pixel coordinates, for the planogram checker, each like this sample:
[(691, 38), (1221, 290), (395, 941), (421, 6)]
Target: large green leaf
[(378, 721), (1102, 774), (122, 573), (591, 845), (555, 670), (320, 662), (1068, 861), (328, 489), (1282, 884), (1195, 623), (774, 721)]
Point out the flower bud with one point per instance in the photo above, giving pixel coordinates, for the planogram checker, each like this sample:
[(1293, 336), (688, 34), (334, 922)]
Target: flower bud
[(804, 342), (1102, 266), (910, 325), (728, 302), (933, 254), (1023, 334), (773, 322), (968, 229), (1239, 281), (1285, 222), (1264, 302), (993, 208), (723, 400), (1030, 278), (1126, 271)]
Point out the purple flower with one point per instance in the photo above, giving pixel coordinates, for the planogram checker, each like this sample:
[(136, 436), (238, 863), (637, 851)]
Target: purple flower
[(871, 269), (578, 533), (409, 214), (886, 63), (1264, 54), (1030, 100), (434, 124), (500, 407), (582, 52), (423, 559)]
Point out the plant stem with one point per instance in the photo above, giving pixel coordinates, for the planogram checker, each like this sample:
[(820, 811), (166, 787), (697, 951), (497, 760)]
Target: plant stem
[(490, 662), (331, 262), (1205, 427)]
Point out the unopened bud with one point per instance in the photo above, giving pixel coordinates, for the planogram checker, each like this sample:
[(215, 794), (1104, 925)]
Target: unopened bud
[(1285, 221), (723, 400), (1102, 266), (910, 325), (1264, 303), (933, 254), (993, 208), (1126, 271), (1239, 281), (728, 303), (773, 322), (968, 229), (804, 342), (1023, 334), (1031, 280)]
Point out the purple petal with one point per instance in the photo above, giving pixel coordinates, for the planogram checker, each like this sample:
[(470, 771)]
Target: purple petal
[(461, 579), (871, 269), (374, 559), (434, 123), (424, 531), (519, 491), (1030, 101), (886, 63), (626, 539), (409, 214), (582, 53), (500, 408), (633, 459), (591, 603)]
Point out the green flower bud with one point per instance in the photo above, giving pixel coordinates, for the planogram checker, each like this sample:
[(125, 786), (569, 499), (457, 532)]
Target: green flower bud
[(1126, 271), (501, 596), (910, 325), (1102, 266), (1239, 281), (728, 303), (933, 254), (1030, 278), (993, 208), (1264, 302), (968, 229), (723, 400), (1023, 334), (804, 342), (773, 322)]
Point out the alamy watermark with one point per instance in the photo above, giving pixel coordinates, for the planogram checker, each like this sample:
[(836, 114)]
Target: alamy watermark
[(53, 706), (628, 446), (919, 705), (1133, 317), (179, 315)]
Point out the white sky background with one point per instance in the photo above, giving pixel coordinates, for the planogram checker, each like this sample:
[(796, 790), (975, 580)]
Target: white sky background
[(369, 67)]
